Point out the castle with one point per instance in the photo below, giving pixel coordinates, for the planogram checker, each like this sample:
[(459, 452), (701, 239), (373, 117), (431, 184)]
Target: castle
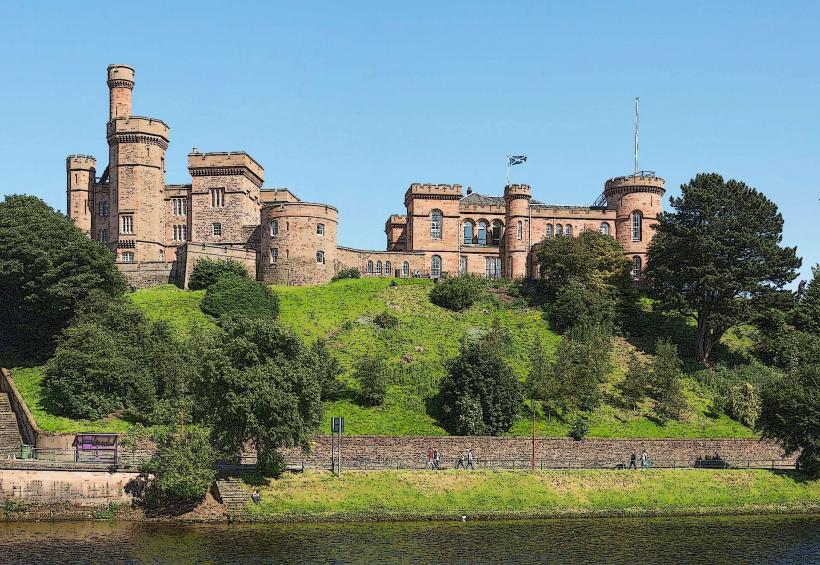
[(158, 231)]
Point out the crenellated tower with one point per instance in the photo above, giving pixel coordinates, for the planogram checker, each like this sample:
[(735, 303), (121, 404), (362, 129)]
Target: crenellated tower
[(120, 85), (517, 234), (80, 177), (433, 224)]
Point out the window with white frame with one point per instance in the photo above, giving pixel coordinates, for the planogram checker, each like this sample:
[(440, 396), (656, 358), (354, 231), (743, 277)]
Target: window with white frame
[(468, 232), (320, 229), (492, 267), (405, 269), (180, 233), (217, 197), (320, 256), (569, 230), (180, 206), (519, 230), (378, 267), (388, 268), (127, 224), (216, 229), (274, 227), (274, 254), (636, 267), (482, 232), (549, 230), (559, 230), (637, 225), (128, 257), (369, 269), (462, 265), (604, 229), (435, 266), (435, 224)]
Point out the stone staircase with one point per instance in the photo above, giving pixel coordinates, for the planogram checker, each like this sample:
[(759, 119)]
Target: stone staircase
[(232, 496), (10, 440)]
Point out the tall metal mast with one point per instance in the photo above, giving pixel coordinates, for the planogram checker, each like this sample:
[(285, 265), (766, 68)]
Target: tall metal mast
[(637, 129)]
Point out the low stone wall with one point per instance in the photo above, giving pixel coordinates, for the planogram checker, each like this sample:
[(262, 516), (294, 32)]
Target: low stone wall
[(148, 273), (25, 421), (85, 488), (556, 451), (190, 253)]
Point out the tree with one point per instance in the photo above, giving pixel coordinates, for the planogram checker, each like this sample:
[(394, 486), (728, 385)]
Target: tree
[(457, 293), (541, 382), (743, 403), (207, 271), (47, 267), (328, 370), (583, 363), (233, 297), (807, 312), (479, 393), (257, 385), (578, 303), (790, 415), (636, 381), (182, 465), (666, 382), (370, 373), (717, 254)]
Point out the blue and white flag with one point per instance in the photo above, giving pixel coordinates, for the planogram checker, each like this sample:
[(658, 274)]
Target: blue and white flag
[(516, 160)]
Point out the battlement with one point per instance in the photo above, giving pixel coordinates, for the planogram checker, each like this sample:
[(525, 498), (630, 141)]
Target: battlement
[(397, 219), (273, 195), (138, 125), (121, 74), (644, 181), (517, 191), (226, 163), (433, 191), (80, 162)]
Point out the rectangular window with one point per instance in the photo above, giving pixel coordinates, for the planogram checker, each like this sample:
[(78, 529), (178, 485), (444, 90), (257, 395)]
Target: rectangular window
[(462, 265), (274, 254), (492, 267), (320, 256), (103, 208), (128, 257), (127, 224), (320, 229), (274, 227), (180, 206), (217, 197), (217, 229), (180, 233), (104, 236)]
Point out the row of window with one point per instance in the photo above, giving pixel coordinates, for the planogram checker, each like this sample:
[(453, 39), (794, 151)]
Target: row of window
[(478, 234), (274, 256), (180, 233), (274, 228)]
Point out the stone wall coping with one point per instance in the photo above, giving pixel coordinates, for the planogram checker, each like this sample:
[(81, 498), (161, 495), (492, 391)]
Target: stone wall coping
[(381, 252), (299, 203), (29, 425), (546, 438)]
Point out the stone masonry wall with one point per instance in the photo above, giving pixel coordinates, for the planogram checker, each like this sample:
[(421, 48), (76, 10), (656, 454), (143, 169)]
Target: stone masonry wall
[(87, 488)]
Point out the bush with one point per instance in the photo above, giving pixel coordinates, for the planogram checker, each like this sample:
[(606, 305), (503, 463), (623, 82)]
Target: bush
[(182, 465), (207, 271), (386, 320), (579, 429), (457, 293), (743, 403), (372, 377), (577, 303), (352, 273), (636, 381), (232, 297), (479, 393)]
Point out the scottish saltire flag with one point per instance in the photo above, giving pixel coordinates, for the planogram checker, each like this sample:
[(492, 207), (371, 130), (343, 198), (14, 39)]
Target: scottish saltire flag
[(516, 159)]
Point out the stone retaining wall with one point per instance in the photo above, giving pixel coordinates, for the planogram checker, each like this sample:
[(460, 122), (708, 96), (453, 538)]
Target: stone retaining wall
[(86, 488)]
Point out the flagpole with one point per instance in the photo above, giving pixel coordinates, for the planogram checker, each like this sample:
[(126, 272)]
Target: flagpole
[(508, 171)]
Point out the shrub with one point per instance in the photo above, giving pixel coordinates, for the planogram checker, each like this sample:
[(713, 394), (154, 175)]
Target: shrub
[(742, 403), (386, 320), (666, 382), (372, 377), (352, 273), (232, 297), (579, 429), (182, 465), (457, 293), (479, 384), (577, 303), (636, 382), (207, 271)]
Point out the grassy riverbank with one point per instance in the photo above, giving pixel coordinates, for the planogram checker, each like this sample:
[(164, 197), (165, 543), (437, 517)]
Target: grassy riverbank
[(409, 495)]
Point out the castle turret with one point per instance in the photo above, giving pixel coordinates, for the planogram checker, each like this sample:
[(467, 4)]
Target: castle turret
[(517, 235), (81, 173), (637, 200), (433, 225), (120, 85)]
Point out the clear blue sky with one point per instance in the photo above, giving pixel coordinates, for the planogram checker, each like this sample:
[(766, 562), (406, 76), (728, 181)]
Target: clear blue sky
[(348, 103)]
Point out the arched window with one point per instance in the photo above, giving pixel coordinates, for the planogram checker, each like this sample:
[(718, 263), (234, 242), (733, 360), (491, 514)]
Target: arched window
[(388, 268), (435, 266), (497, 229), (569, 230), (519, 230), (468, 232), (636, 267), (369, 267), (435, 224), (549, 230), (320, 229), (378, 267), (637, 225), (405, 269), (604, 229), (482, 232), (320, 256), (559, 230), (274, 227)]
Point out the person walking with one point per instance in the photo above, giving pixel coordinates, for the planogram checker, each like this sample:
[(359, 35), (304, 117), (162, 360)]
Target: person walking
[(460, 462), (644, 460), (436, 459), (632, 460), (430, 458), (470, 460)]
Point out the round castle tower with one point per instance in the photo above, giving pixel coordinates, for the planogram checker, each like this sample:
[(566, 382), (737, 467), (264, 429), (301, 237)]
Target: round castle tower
[(81, 171), (516, 235), (298, 243), (120, 85), (637, 200)]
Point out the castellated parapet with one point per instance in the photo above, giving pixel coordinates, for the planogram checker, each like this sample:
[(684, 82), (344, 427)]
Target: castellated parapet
[(158, 231)]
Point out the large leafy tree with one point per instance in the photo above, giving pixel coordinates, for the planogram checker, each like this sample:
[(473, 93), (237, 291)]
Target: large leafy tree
[(47, 266), (718, 255), (257, 385), (582, 365)]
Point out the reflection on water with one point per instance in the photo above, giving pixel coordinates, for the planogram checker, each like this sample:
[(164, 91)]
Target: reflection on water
[(756, 539)]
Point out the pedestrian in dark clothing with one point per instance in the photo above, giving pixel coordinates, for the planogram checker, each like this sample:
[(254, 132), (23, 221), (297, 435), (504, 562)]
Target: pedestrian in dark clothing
[(255, 496), (436, 459), (460, 461), (430, 456), (632, 461), (469, 459)]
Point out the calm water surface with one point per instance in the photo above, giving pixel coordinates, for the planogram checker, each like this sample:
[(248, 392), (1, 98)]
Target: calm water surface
[(767, 539)]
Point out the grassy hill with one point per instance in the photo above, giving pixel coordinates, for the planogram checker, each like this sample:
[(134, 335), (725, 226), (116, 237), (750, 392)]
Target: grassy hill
[(416, 351)]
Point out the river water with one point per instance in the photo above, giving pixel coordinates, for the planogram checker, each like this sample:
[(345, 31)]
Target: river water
[(709, 540)]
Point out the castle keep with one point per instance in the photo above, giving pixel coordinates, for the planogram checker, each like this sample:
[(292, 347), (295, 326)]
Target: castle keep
[(158, 231)]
